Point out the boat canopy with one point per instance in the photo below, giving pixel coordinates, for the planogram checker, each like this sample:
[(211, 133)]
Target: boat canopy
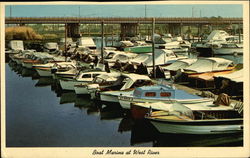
[(132, 78), (217, 35), (236, 76), (177, 109), (16, 45), (51, 45), (126, 43), (106, 77), (163, 92), (180, 64), (209, 65), (86, 42)]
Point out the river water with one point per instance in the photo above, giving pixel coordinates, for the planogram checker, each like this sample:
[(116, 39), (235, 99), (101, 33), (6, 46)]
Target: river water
[(39, 114)]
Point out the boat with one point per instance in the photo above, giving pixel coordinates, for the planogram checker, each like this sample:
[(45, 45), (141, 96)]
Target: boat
[(139, 49), (100, 81), (86, 42), (15, 47), (205, 65), (179, 64), (180, 119), (46, 70), (82, 77), (162, 93), (162, 57), (114, 56), (231, 83), (50, 47), (215, 39), (228, 49), (125, 84)]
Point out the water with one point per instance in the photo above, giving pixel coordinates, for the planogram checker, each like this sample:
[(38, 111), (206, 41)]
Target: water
[(39, 114)]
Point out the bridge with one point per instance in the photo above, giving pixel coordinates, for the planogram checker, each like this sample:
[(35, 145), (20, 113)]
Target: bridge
[(129, 26)]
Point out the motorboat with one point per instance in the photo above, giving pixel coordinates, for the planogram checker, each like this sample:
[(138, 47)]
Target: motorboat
[(15, 47), (162, 93), (162, 57), (47, 70), (179, 64), (86, 42), (196, 120), (215, 39), (206, 65), (228, 49), (124, 84), (231, 83), (121, 56), (100, 81), (50, 47), (82, 77)]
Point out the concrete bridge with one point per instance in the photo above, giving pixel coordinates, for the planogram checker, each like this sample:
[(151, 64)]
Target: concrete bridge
[(129, 26)]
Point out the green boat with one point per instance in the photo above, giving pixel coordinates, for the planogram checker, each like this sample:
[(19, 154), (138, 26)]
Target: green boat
[(139, 49)]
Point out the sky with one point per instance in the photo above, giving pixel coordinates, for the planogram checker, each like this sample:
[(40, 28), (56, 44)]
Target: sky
[(156, 10)]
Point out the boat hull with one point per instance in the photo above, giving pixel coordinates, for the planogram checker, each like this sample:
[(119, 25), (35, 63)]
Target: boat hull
[(208, 127), (227, 51), (44, 72)]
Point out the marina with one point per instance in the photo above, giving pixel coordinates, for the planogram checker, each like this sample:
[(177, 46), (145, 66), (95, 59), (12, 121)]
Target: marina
[(124, 82)]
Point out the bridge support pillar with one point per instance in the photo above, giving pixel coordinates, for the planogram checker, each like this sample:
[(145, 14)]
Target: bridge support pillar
[(128, 30), (73, 30), (175, 29)]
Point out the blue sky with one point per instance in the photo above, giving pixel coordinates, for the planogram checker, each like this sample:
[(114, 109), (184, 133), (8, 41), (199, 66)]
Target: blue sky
[(164, 10)]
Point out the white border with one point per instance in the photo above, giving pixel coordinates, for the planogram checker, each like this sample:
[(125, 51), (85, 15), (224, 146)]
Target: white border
[(164, 152)]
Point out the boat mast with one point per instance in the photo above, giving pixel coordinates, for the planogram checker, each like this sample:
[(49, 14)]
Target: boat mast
[(153, 46), (102, 60)]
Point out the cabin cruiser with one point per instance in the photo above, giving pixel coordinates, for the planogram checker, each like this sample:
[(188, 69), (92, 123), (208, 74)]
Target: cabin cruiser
[(215, 39), (124, 84), (121, 56), (47, 70), (177, 118), (228, 48), (179, 64), (204, 66), (162, 57), (82, 77), (163, 93), (100, 81)]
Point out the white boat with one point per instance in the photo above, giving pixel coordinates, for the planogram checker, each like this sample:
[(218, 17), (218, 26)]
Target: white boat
[(215, 39), (86, 42), (15, 46), (50, 47), (82, 77), (228, 48), (161, 93), (121, 56), (183, 120), (162, 57), (101, 81), (45, 70), (177, 65), (130, 82), (209, 65)]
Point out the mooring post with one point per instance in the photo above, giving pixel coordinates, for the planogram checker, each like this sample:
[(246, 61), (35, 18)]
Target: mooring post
[(102, 60), (112, 35), (153, 45), (239, 33), (65, 42)]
